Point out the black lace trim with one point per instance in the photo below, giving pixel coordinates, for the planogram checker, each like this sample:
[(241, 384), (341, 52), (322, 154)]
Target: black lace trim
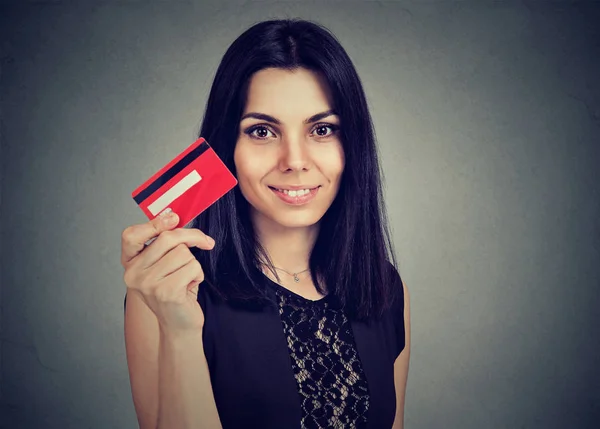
[(326, 365)]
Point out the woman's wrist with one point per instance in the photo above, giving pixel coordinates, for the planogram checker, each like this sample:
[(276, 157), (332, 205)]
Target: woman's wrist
[(177, 335)]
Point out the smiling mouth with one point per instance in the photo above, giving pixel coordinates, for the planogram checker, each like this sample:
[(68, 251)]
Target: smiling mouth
[(295, 192)]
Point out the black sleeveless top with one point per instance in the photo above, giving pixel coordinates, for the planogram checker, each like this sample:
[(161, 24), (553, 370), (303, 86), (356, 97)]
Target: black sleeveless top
[(301, 365)]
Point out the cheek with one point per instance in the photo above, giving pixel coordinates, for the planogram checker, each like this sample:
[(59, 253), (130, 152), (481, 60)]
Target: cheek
[(342, 161), (248, 165), (335, 163)]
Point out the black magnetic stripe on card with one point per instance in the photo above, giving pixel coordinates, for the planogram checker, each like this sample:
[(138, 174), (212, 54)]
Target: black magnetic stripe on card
[(171, 172)]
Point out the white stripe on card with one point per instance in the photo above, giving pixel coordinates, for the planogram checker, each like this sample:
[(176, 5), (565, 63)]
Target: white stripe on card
[(175, 192)]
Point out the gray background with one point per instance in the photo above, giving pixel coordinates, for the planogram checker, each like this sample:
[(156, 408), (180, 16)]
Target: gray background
[(488, 119)]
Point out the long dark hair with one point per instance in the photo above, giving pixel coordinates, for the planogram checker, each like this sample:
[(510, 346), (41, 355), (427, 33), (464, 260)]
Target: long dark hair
[(353, 253)]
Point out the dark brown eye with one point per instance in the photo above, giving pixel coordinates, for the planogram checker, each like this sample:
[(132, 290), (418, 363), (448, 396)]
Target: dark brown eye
[(261, 132), (321, 129), (258, 132)]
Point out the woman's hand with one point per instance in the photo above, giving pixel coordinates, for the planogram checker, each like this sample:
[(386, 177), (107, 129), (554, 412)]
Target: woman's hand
[(166, 273)]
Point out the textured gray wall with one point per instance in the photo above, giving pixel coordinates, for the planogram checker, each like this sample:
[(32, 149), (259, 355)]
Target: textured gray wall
[(488, 118)]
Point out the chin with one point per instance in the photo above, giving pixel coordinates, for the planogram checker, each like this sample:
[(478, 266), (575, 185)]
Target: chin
[(304, 219), (301, 221)]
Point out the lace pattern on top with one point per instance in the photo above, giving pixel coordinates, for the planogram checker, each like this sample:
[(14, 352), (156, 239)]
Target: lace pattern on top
[(326, 365)]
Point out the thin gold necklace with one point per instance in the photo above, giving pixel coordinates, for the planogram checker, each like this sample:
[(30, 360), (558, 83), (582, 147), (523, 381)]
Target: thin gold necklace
[(295, 275)]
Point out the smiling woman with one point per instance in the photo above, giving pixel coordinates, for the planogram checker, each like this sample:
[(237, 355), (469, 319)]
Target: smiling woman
[(286, 162), (301, 318)]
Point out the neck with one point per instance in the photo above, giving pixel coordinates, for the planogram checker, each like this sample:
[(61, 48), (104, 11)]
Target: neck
[(288, 248)]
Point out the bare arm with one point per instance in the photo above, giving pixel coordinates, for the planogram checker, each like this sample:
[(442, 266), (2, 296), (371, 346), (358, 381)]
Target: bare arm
[(185, 394), (141, 345), (401, 366), (181, 381)]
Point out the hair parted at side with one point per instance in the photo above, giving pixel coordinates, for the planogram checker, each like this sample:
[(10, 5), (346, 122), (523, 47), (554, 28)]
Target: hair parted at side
[(353, 252)]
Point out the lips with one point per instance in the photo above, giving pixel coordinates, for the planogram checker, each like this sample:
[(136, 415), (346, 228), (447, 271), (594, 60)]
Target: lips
[(299, 196)]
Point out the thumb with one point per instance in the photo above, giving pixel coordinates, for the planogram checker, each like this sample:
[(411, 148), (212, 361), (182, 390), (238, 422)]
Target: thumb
[(136, 237), (166, 220), (193, 287)]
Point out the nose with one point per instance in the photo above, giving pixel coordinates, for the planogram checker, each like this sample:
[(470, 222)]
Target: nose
[(295, 154)]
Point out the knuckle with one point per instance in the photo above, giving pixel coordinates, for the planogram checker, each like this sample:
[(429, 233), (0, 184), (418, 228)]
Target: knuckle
[(156, 231), (127, 278), (197, 268), (128, 234), (131, 279), (181, 250), (197, 264)]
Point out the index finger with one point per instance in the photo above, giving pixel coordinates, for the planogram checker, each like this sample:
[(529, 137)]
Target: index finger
[(135, 237)]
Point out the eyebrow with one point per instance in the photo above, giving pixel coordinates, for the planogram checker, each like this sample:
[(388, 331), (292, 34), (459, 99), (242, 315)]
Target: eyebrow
[(269, 118)]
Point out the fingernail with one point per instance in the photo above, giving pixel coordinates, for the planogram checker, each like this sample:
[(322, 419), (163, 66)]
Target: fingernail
[(165, 212), (210, 240), (167, 216), (171, 218)]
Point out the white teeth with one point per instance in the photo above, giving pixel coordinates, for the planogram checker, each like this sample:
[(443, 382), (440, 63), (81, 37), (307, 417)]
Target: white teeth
[(295, 193)]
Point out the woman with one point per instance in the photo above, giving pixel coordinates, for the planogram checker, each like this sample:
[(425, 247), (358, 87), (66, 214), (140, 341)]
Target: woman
[(282, 307)]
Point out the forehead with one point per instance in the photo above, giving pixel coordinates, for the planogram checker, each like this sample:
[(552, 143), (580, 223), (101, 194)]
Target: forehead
[(283, 93)]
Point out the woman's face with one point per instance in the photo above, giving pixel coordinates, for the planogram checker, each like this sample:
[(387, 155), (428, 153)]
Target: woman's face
[(288, 155)]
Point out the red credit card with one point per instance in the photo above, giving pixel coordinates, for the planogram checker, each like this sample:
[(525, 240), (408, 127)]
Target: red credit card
[(188, 185)]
